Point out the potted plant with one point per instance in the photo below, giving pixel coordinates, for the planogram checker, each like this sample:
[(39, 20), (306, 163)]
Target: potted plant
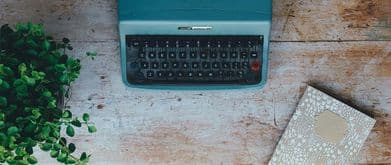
[(35, 74)]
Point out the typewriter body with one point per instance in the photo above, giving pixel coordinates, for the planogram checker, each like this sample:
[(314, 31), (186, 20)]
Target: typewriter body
[(194, 44)]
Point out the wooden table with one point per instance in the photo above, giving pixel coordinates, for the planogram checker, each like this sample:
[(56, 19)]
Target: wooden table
[(342, 46)]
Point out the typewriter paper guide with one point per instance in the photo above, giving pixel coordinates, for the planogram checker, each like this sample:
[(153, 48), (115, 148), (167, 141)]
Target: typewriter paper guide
[(323, 130), (194, 10)]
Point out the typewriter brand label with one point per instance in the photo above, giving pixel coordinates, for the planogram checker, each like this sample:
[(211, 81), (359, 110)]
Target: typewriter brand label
[(195, 28)]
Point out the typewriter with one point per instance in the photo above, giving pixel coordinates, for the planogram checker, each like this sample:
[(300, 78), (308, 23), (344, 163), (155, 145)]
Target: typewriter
[(189, 44)]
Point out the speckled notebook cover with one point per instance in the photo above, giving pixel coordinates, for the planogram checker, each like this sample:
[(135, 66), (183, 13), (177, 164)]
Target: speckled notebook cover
[(323, 130)]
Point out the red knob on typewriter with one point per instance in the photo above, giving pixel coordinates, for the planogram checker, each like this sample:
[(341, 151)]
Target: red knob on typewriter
[(255, 66)]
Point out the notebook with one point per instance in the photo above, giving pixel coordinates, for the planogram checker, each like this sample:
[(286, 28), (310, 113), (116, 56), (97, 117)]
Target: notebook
[(323, 130)]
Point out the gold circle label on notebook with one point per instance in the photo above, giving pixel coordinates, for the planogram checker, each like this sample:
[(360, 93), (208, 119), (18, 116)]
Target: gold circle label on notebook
[(330, 127)]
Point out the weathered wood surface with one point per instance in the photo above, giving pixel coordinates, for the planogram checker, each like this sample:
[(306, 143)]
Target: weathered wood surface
[(293, 20), (224, 127)]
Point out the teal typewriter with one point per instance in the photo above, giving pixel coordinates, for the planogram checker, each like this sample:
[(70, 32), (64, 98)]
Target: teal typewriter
[(194, 44)]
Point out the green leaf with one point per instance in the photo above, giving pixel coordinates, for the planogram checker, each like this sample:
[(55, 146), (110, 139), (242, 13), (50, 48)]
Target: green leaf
[(57, 146), (60, 67), (29, 81), (47, 94), (38, 75), (4, 85), (46, 45), (22, 28), (91, 129), (36, 113), (46, 146), (32, 44), (7, 71), (37, 30), (19, 43), (50, 139), (86, 117), (70, 160), (62, 157), (67, 114), (32, 160), (64, 79), (20, 152), (32, 52), (34, 71), (12, 146), (21, 91), (12, 131), (55, 133), (19, 82), (2, 116), (54, 153), (22, 69), (29, 150), (3, 101), (29, 25), (91, 54), (23, 162), (30, 128), (76, 123), (52, 104), (72, 147), (65, 40), (45, 134), (63, 141), (11, 162), (83, 156), (70, 131)]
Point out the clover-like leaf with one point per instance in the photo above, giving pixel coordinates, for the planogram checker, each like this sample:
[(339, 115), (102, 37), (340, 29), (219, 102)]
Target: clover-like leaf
[(54, 153), (91, 129), (92, 55), (46, 45), (3, 101), (62, 157), (83, 156), (57, 147), (72, 147), (47, 94), (66, 40), (67, 114), (22, 69), (32, 44), (4, 85), (70, 131), (86, 117), (70, 160), (36, 71), (12, 130), (76, 123), (46, 146), (32, 160), (63, 141)]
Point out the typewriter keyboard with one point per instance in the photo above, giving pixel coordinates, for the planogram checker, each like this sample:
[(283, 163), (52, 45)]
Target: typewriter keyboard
[(235, 60)]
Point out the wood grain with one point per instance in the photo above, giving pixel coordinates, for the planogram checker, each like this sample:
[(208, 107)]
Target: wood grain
[(293, 20), (349, 56), (227, 127), (335, 20)]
